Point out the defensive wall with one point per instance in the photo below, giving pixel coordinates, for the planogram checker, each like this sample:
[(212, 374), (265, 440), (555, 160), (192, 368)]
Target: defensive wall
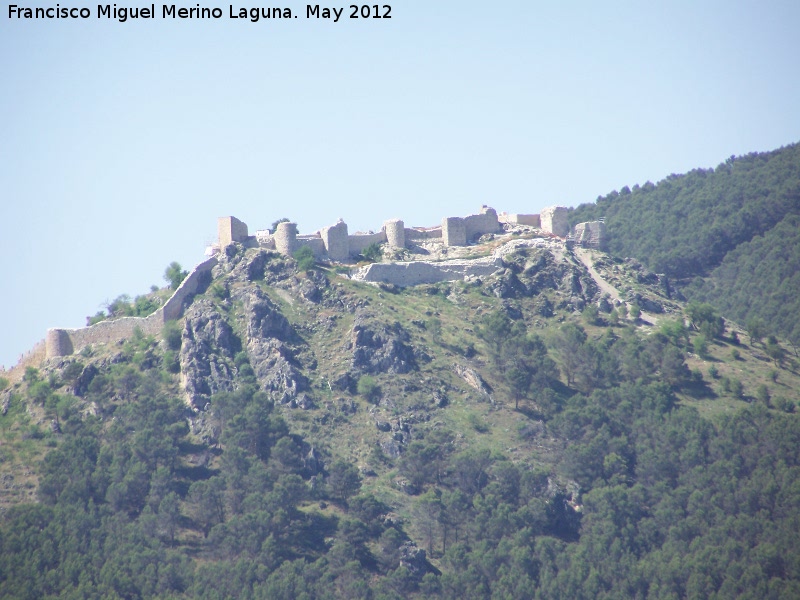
[(553, 219), (63, 342), (337, 244), (520, 219), (405, 274), (591, 234)]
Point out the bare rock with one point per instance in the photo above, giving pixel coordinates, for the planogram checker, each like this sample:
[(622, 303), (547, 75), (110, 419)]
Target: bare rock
[(207, 349), (380, 348)]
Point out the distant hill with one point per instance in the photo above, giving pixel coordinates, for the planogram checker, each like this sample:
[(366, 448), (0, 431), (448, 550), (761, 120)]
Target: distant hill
[(730, 234)]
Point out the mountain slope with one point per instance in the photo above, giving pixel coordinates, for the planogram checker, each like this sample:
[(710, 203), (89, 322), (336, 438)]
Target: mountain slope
[(690, 226), (298, 434)]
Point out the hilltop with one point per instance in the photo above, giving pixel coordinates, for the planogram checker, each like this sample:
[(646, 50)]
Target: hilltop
[(505, 414)]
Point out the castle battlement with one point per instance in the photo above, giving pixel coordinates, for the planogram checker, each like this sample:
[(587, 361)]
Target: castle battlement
[(335, 243)]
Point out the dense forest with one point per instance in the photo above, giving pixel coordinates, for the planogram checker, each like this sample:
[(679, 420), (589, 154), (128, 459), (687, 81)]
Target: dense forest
[(730, 233), (590, 457)]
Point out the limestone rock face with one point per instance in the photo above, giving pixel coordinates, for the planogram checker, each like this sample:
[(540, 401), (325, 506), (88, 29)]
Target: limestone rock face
[(207, 349), (267, 334), (531, 271), (379, 348)]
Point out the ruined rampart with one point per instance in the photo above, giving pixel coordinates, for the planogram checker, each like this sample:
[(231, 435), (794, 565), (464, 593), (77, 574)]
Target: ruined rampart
[(421, 234), (406, 274), (478, 225), (359, 241), (520, 219), (62, 342), (591, 234), (336, 244), (554, 220), (314, 242)]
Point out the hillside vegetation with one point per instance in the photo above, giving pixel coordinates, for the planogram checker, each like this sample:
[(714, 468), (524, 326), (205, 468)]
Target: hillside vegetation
[(300, 435), (731, 233)]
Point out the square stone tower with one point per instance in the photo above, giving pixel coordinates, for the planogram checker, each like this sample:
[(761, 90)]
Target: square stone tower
[(554, 220), (230, 229)]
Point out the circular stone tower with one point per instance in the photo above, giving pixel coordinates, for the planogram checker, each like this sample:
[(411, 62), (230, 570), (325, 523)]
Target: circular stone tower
[(57, 343), (286, 238), (395, 233)]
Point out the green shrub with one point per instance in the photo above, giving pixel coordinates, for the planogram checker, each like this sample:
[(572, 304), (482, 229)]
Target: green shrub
[(172, 335), (700, 345), (174, 275), (274, 227), (368, 388), (635, 312), (171, 362), (219, 291), (591, 314), (762, 394), (477, 424), (98, 316), (713, 372), (305, 258), (372, 253)]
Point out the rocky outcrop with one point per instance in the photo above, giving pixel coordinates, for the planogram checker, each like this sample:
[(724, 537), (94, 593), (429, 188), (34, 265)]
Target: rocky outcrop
[(529, 271), (208, 345), (380, 348), (473, 379), (415, 560), (267, 337)]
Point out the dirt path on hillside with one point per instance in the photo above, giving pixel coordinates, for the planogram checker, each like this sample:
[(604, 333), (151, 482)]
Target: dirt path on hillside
[(585, 256)]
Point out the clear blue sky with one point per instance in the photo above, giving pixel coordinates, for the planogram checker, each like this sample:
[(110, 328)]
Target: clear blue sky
[(120, 144)]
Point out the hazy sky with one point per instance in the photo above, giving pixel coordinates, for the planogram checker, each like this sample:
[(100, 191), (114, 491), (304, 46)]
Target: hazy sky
[(121, 143)]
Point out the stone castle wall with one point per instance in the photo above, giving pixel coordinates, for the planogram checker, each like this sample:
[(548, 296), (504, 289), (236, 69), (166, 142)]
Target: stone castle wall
[(422, 234), (32, 358), (338, 245), (485, 222), (454, 231), (314, 242), (63, 342), (335, 240), (554, 220), (520, 219), (405, 274), (591, 234), (359, 241), (229, 230), (195, 281)]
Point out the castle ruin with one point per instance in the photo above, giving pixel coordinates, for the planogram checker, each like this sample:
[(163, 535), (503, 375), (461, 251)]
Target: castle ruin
[(335, 243)]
